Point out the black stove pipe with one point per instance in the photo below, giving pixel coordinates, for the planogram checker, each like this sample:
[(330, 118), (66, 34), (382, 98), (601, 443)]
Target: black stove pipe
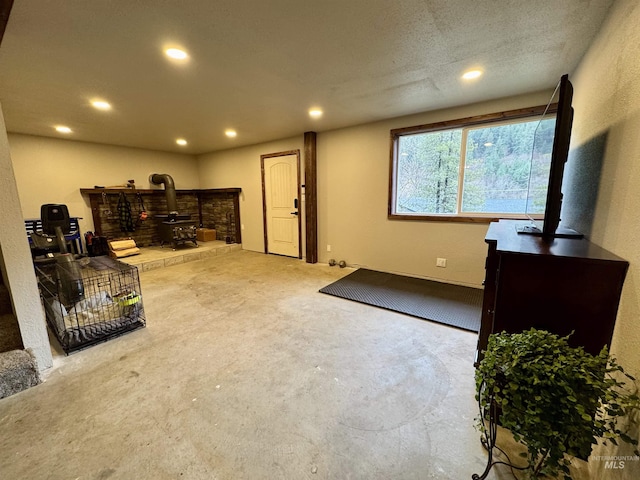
[(169, 188)]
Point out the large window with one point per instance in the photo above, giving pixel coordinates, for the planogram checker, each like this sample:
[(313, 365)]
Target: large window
[(475, 168)]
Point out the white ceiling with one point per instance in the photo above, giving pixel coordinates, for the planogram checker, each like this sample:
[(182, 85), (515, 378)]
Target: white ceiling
[(258, 65)]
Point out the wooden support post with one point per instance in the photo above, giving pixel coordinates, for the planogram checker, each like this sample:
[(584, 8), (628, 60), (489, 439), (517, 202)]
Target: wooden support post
[(311, 197)]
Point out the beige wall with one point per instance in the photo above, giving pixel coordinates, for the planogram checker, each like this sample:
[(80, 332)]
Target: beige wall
[(353, 184), (353, 173), (240, 167), (607, 103), (607, 85), (353, 176), (50, 170), (15, 258)]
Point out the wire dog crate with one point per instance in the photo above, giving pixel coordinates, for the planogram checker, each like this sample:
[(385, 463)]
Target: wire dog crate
[(90, 300)]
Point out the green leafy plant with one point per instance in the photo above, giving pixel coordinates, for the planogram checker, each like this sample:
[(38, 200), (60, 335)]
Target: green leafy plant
[(556, 400)]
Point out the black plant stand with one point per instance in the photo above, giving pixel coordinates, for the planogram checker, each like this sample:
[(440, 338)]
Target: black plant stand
[(489, 419)]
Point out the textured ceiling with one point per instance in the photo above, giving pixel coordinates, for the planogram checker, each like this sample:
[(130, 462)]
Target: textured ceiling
[(257, 66)]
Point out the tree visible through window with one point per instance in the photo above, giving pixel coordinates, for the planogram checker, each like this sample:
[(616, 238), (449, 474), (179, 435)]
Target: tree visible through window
[(428, 166), (486, 169)]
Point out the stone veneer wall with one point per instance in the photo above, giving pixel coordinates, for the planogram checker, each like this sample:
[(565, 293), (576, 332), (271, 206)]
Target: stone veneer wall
[(215, 210), (219, 213)]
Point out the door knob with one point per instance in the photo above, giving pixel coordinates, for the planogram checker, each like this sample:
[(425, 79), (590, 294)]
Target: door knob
[(294, 213)]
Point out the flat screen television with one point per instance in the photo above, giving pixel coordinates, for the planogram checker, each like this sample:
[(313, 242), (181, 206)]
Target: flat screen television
[(550, 228)]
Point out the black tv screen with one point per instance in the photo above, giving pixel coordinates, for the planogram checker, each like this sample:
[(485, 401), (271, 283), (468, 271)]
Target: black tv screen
[(550, 228), (560, 152)]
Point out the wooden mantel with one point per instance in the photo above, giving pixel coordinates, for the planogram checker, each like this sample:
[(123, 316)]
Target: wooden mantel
[(147, 191)]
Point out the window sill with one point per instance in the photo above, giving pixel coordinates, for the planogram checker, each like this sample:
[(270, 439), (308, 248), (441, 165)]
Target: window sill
[(451, 218)]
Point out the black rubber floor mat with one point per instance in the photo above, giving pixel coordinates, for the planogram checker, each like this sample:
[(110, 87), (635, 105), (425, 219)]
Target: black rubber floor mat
[(453, 305)]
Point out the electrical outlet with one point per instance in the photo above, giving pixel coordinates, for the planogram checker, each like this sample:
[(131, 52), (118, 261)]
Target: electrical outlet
[(328, 248), (242, 227), (441, 262)]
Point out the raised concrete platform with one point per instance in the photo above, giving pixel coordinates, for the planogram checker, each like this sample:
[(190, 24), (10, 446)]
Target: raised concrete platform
[(151, 258)]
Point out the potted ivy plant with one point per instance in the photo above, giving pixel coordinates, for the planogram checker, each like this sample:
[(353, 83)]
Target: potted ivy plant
[(555, 399)]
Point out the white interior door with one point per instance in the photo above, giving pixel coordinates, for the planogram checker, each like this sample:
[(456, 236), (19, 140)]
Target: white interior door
[(281, 205)]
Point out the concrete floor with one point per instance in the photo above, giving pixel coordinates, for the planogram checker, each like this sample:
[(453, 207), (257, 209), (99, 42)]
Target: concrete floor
[(245, 371)]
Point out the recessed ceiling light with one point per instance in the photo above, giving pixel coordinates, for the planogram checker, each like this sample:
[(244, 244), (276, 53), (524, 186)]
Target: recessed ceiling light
[(315, 113), (176, 53), (63, 129), (101, 104), (230, 133), (181, 141), (472, 74)]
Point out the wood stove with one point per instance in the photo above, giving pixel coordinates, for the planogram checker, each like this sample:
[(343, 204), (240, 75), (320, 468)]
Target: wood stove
[(176, 230), (173, 228)]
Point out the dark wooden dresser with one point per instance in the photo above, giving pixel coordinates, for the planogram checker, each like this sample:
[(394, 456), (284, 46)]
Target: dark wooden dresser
[(561, 285)]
